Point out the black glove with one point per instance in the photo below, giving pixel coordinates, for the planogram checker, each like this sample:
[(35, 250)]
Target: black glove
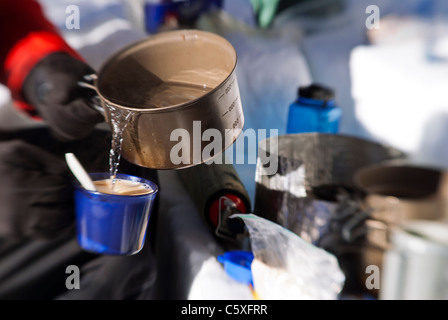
[(35, 191), (52, 88)]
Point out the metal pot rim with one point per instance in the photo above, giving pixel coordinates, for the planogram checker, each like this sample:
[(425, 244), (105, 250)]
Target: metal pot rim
[(153, 38)]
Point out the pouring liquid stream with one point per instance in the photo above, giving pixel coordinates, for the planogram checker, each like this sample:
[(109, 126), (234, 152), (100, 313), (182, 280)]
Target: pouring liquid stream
[(163, 95), (119, 119)]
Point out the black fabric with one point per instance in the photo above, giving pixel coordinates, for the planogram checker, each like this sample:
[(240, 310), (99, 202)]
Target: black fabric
[(52, 88), (35, 193), (316, 92), (36, 269), (116, 278), (37, 240)]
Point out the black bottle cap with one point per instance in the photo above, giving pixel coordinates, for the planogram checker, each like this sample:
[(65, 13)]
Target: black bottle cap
[(317, 92)]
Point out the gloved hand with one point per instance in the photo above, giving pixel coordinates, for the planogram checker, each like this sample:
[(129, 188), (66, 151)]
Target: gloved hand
[(52, 88), (35, 191)]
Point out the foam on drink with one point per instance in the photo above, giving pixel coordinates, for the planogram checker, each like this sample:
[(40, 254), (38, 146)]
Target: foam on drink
[(122, 187)]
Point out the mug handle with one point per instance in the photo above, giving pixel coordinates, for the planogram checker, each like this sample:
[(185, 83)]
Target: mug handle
[(95, 102)]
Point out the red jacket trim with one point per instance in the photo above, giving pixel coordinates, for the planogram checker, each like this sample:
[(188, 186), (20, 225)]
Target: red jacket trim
[(24, 56)]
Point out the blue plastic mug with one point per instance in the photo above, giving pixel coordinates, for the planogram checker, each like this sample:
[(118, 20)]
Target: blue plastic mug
[(113, 224)]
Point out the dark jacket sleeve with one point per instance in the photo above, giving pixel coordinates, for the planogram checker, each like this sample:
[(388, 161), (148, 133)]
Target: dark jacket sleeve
[(27, 36)]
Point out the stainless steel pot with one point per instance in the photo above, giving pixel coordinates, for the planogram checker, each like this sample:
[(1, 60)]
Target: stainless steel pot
[(313, 170), (142, 83), (314, 193), (397, 192)]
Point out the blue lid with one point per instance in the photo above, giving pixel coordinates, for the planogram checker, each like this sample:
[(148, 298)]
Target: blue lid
[(237, 265)]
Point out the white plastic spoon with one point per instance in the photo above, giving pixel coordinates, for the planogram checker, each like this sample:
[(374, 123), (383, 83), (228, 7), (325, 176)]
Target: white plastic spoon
[(79, 172)]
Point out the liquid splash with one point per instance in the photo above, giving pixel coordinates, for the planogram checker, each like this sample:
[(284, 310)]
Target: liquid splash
[(119, 119)]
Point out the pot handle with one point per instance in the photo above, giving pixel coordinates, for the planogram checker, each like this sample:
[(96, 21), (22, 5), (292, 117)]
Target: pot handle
[(95, 102)]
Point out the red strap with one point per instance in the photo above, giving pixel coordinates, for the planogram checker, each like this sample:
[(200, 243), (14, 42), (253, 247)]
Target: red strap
[(18, 18)]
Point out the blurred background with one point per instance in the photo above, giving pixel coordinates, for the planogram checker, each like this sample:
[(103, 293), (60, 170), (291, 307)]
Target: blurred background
[(387, 62), (389, 75)]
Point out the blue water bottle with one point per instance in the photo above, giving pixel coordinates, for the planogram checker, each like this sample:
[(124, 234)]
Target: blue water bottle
[(314, 110)]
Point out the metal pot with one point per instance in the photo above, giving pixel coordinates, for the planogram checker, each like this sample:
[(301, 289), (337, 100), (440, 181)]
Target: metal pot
[(314, 194), (313, 170), (141, 84), (397, 193)]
